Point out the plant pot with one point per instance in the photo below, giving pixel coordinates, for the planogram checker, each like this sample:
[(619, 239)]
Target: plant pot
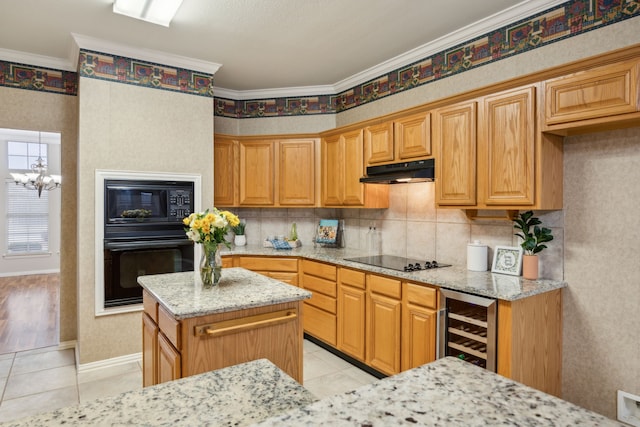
[(530, 267), (240, 240)]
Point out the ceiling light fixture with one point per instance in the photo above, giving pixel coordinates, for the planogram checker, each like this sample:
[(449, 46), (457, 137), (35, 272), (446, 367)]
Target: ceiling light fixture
[(159, 12), (38, 179)]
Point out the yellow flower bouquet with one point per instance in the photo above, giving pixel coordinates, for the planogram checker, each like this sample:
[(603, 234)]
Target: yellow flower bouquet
[(209, 228)]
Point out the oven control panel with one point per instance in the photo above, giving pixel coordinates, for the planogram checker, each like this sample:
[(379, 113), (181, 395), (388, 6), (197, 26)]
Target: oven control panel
[(180, 204)]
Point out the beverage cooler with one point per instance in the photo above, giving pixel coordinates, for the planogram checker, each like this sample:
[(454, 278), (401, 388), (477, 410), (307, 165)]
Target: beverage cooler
[(467, 328)]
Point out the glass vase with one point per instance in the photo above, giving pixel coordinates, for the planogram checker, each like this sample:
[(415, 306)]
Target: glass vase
[(210, 266)]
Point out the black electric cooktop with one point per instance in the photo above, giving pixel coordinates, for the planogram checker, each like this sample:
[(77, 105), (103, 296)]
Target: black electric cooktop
[(397, 263)]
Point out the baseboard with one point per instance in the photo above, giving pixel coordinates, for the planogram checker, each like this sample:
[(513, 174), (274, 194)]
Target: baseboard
[(108, 363)]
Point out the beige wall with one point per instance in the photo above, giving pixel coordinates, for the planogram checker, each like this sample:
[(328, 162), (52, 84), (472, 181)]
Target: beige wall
[(602, 267), (26, 109), (128, 128)]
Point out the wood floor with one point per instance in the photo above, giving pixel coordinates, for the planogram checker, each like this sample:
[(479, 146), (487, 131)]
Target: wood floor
[(29, 307)]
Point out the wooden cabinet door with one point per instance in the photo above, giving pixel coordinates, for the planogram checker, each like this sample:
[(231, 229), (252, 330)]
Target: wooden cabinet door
[(296, 173), (600, 92), (353, 168), (507, 148), (351, 321), (224, 171), (412, 137), (418, 336), (257, 173), (149, 351), (332, 161), (169, 361), (378, 144), (454, 133), (383, 333)]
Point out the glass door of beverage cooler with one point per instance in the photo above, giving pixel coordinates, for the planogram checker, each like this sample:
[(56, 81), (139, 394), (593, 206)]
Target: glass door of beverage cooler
[(467, 328)]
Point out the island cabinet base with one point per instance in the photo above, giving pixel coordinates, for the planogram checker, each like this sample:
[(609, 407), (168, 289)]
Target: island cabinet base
[(205, 343)]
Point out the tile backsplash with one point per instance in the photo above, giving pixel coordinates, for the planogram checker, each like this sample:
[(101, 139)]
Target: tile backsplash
[(412, 226)]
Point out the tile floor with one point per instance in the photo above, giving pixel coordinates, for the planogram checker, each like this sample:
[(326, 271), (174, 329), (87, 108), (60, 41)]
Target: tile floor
[(46, 379)]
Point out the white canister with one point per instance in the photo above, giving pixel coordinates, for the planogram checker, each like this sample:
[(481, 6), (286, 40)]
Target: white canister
[(477, 256)]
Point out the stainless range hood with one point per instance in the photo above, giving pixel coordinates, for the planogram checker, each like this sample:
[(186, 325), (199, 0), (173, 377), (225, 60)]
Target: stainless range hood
[(399, 173)]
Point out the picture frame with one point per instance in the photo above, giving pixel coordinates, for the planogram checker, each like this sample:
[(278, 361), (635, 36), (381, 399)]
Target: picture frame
[(507, 260)]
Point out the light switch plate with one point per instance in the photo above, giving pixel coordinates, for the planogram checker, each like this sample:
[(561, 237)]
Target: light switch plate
[(629, 408)]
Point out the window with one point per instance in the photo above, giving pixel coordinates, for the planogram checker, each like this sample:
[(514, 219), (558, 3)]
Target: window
[(27, 214)]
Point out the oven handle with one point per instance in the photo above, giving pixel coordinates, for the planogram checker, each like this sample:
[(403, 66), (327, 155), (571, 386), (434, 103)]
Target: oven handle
[(142, 244)]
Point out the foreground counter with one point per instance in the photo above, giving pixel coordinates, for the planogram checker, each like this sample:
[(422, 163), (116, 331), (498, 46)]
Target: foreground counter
[(447, 392)]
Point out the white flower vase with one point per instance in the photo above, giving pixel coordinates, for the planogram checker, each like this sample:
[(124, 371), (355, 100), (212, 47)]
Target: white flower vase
[(210, 266), (240, 240)]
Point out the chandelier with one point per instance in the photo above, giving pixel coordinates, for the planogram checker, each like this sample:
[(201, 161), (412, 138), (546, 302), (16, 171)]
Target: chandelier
[(38, 178)]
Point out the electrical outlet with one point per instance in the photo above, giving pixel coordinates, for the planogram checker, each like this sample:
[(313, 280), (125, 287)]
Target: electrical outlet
[(628, 408)]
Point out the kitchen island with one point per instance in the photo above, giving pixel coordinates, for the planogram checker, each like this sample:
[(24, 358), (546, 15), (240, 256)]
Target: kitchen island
[(189, 330), (447, 392)]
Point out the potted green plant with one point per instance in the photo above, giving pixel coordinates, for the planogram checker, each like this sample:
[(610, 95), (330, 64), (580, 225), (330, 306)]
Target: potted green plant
[(240, 239), (533, 238)]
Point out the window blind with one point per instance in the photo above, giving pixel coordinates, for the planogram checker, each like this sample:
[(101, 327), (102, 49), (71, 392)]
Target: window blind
[(27, 220)]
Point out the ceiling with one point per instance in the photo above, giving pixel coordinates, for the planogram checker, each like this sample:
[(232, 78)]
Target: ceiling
[(263, 44)]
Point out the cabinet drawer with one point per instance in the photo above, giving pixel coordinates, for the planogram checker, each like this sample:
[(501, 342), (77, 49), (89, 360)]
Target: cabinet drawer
[(169, 326), (354, 278), (385, 286), (421, 295), (324, 302), (150, 305), (320, 324), (316, 284), (319, 269), (290, 278), (269, 264)]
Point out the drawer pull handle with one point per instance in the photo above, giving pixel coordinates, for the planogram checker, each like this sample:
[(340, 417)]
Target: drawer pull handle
[(234, 326)]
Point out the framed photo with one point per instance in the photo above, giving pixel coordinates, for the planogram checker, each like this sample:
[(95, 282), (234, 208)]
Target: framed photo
[(507, 260)]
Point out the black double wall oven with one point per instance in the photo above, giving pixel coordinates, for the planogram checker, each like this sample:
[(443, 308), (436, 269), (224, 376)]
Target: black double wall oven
[(143, 234)]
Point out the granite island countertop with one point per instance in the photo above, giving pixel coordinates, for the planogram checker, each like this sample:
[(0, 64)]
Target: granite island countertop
[(233, 396), (456, 277), (447, 392), (184, 297)]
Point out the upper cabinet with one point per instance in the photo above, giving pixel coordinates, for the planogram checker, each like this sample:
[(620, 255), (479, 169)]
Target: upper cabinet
[(404, 139), (507, 148), (499, 162), (257, 173), (341, 170), (297, 173), (454, 135), (265, 172), (593, 98), (225, 171)]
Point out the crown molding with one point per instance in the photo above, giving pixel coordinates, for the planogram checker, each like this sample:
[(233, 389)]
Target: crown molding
[(36, 60), (285, 92), (153, 56), (519, 11)]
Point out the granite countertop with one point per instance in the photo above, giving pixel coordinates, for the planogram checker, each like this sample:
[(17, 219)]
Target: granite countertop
[(456, 277), (237, 395), (184, 297), (447, 392)]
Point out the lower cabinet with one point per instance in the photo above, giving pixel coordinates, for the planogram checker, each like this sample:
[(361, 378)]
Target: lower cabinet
[(419, 323), (384, 307), (351, 313), (281, 268), (175, 349)]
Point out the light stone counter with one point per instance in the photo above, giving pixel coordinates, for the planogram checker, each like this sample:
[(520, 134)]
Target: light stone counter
[(447, 392), (456, 277), (239, 289), (238, 395)]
